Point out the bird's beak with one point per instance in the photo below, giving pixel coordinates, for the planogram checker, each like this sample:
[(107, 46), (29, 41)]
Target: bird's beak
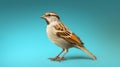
[(43, 16)]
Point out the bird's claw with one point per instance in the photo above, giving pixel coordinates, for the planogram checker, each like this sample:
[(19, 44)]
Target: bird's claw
[(57, 59)]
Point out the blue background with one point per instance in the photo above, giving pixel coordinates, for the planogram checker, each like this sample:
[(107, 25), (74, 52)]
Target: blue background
[(23, 40)]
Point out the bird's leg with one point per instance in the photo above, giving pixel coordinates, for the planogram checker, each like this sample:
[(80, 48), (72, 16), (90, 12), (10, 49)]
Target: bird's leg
[(60, 53), (55, 59), (66, 50), (62, 57)]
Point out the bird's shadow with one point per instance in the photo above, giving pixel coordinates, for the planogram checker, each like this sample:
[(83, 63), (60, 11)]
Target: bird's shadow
[(77, 58)]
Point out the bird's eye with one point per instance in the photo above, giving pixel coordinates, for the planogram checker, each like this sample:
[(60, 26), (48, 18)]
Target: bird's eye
[(49, 15)]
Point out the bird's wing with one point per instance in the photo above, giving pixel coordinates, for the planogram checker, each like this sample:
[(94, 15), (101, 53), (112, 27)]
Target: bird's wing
[(66, 34)]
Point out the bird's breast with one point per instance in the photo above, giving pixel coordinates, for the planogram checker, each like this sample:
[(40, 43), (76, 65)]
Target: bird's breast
[(51, 33), (55, 39)]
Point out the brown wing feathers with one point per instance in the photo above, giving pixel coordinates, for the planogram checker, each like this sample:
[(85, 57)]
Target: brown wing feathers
[(67, 35)]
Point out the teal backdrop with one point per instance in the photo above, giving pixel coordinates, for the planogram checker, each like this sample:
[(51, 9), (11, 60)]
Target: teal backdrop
[(23, 40)]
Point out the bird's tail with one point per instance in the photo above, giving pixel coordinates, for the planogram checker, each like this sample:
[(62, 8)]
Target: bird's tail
[(89, 53)]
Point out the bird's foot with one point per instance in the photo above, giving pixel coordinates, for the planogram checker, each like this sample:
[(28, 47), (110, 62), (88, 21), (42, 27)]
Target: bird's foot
[(57, 59)]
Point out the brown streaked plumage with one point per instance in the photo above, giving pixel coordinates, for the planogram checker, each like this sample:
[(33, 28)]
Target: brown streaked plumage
[(59, 34), (68, 36)]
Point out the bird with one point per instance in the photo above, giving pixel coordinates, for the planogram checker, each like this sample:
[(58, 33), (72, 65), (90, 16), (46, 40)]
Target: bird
[(62, 36)]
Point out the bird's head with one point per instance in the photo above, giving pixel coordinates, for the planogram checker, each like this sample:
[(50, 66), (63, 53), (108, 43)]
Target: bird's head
[(50, 17)]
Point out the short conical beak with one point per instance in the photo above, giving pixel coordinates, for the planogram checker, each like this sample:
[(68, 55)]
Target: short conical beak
[(43, 16)]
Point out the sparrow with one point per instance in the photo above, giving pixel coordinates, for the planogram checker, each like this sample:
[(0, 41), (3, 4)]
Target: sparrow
[(62, 36)]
